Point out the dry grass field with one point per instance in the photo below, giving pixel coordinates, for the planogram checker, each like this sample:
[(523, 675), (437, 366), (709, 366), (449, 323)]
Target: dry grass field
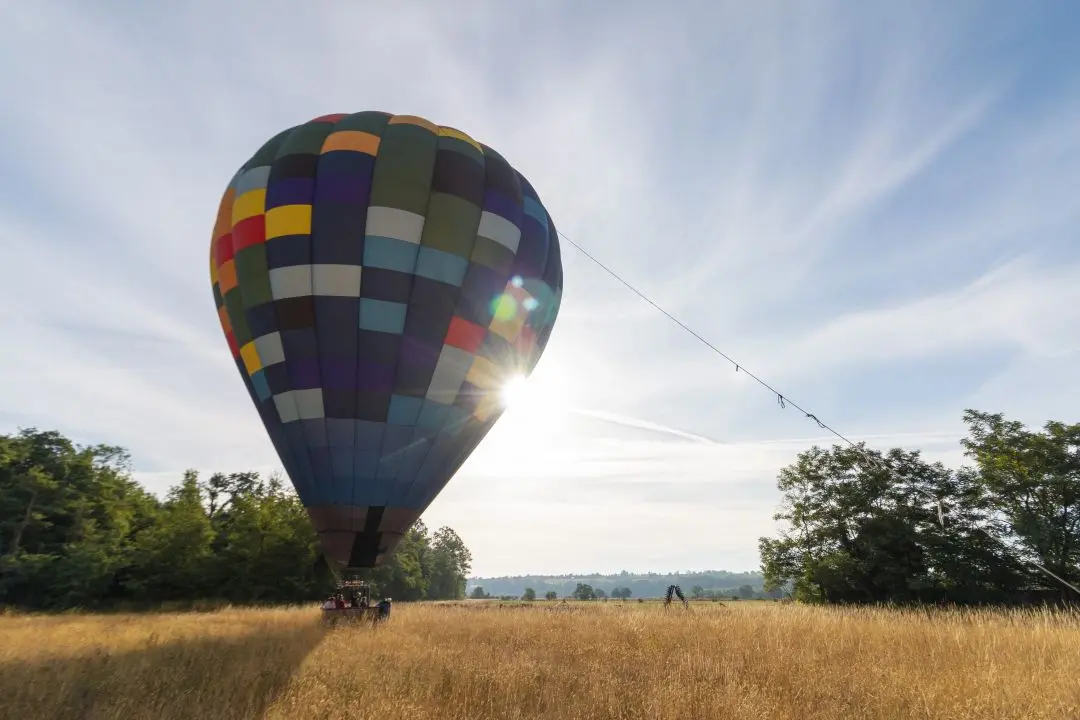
[(479, 661)]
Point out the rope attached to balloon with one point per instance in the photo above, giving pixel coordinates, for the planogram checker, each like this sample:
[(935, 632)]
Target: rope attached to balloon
[(782, 401)]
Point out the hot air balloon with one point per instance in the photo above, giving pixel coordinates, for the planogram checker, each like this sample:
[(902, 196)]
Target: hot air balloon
[(379, 278)]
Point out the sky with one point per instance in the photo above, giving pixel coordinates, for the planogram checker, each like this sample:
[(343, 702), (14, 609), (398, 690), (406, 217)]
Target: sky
[(873, 206)]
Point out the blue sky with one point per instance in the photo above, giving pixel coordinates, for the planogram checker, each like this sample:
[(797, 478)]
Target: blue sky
[(872, 205)]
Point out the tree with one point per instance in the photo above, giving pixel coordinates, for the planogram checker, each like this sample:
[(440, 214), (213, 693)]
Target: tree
[(67, 516), (584, 591), (264, 550), (450, 563), (478, 593), (551, 595), (746, 592), (406, 577), (859, 530), (77, 531), (1032, 481), (529, 594), (173, 555), (697, 592)]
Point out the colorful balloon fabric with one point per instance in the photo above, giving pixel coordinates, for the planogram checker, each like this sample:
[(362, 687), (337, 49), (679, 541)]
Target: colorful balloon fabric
[(379, 278)]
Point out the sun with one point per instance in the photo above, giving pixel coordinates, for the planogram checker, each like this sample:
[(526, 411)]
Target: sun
[(532, 405), (515, 392), (535, 410)]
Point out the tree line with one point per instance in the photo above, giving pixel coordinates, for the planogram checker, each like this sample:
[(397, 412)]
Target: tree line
[(639, 585), (77, 531), (862, 526), (585, 591), (859, 526)]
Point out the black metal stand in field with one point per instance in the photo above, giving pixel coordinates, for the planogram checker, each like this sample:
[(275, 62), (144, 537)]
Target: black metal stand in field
[(677, 591)]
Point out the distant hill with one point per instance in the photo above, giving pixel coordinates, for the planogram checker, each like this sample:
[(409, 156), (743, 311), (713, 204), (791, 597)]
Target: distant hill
[(650, 585)]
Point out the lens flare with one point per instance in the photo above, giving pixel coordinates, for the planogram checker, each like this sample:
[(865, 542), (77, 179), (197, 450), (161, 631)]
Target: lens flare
[(514, 391), (504, 307)]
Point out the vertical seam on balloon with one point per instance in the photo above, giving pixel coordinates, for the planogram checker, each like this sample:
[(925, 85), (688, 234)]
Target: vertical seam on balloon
[(556, 291), (421, 464), (401, 347), (242, 288), (310, 482), (457, 296), (373, 480), (280, 439), (332, 489), (300, 477), (247, 382), (329, 458), (356, 339), (462, 454), (356, 357), (554, 254), (552, 237)]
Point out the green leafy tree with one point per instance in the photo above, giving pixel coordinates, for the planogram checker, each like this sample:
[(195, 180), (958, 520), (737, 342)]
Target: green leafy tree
[(173, 556), (1032, 483), (584, 591), (529, 594), (404, 578), (478, 593), (77, 531), (551, 595), (450, 564), (860, 530), (265, 550), (67, 515)]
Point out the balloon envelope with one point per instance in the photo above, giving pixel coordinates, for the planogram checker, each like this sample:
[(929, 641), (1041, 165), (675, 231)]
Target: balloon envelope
[(379, 278)]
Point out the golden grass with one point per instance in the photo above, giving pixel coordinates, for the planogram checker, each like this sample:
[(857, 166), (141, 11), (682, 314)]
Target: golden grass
[(481, 661)]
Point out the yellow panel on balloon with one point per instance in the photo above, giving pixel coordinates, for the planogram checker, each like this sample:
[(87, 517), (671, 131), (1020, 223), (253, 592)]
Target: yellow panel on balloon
[(288, 220), (248, 205), (484, 374), (250, 356)]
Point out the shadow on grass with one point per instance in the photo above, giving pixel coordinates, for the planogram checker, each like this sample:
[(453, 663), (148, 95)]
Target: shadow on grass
[(200, 677)]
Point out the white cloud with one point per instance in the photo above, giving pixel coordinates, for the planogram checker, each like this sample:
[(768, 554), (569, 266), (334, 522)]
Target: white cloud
[(1015, 307)]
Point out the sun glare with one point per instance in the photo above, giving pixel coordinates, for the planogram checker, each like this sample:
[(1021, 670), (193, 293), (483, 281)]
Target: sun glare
[(536, 408), (515, 392)]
